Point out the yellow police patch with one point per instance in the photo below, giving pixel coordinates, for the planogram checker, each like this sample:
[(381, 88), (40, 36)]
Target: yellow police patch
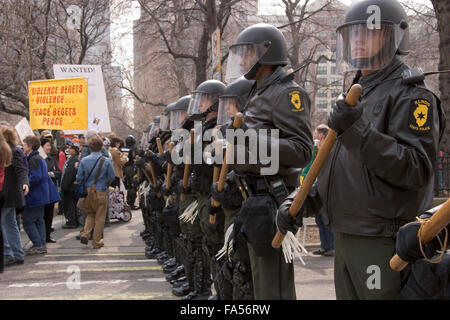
[(420, 117), (296, 101)]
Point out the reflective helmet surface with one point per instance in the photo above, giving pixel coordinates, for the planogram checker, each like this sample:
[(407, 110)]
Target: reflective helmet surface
[(130, 141), (259, 44), (206, 97), (373, 32), (179, 112), (234, 99)]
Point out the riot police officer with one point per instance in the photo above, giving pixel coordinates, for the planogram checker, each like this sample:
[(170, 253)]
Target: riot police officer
[(276, 103), (203, 107), (234, 278), (128, 169), (379, 175)]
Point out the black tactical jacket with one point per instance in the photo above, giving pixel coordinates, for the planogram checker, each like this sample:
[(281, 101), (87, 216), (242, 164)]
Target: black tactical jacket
[(279, 103), (379, 175)]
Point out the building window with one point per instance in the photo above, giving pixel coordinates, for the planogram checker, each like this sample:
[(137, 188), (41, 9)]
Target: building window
[(322, 93), (322, 69), (333, 69), (322, 81), (321, 104)]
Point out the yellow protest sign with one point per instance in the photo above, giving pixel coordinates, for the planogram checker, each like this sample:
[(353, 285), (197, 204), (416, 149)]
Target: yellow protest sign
[(60, 104)]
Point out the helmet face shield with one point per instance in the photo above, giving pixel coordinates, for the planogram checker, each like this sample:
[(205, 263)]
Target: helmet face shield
[(200, 103), (242, 58), (164, 123), (361, 48), (177, 118), (154, 130), (228, 107)]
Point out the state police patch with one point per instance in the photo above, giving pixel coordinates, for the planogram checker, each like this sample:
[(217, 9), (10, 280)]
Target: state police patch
[(420, 116)]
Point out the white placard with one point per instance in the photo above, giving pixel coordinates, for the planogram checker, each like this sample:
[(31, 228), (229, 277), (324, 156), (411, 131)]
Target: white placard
[(98, 115), (23, 130)]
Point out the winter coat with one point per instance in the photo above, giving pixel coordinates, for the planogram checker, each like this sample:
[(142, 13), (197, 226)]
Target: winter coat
[(69, 175), (42, 189), (16, 175)]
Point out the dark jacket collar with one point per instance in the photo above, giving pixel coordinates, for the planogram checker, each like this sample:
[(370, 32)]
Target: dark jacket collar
[(33, 153), (391, 70), (267, 80)]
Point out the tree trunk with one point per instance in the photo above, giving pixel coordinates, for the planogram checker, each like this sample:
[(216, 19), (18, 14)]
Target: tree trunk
[(442, 10)]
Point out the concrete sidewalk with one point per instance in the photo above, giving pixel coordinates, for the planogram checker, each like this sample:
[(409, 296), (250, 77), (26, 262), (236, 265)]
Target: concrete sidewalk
[(313, 281)]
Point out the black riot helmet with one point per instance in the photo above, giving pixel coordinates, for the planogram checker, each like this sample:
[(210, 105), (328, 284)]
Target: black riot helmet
[(260, 44), (164, 122), (155, 128), (206, 97), (178, 112), (234, 99), (373, 32), (130, 141)]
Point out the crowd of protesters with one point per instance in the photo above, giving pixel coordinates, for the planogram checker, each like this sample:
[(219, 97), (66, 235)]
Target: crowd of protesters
[(43, 174)]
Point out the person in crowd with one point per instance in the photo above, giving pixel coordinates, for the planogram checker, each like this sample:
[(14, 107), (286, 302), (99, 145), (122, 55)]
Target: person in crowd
[(119, 159), (96, 210), (325, 233), (55, 174), (42, 192), (16, 187), (68, 187), (82, 140), (5, 161)]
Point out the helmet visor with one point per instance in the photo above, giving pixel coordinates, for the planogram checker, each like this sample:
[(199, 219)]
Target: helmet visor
[(154, 130), (241, 58), (164, 122), (361, 48), (228, 107), (176, 118), (200, 103)]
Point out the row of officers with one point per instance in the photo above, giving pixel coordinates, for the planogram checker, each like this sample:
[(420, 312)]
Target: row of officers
[(377, 179)]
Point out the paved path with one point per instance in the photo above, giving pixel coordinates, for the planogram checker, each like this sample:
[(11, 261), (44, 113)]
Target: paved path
[(120, 270)]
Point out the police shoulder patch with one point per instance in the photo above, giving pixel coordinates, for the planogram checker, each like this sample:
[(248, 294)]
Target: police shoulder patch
[(296, 101), (420, 116)]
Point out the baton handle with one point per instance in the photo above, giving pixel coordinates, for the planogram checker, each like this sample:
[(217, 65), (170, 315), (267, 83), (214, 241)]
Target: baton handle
[(351, 99), (169, 172), (160, 147), (237, 123), (187, 164), (427, 231)]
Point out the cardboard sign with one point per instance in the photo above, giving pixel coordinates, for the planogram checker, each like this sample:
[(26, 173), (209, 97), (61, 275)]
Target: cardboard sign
[(58, 104), (98, 115), (23, 130)]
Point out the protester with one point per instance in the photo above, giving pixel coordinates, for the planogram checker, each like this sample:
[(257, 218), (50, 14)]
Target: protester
[(325, 233), (119, 159), (55, 174), (95, 207), (5, 161), (68, 187), (16, 187), (42, 192)]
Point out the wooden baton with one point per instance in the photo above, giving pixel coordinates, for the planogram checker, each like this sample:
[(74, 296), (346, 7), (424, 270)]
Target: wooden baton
[(237, 123), (160, 147), (169, 172), (427, 232), (351, 99), (187, 164)]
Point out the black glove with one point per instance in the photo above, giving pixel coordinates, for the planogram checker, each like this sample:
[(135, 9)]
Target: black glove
[(215, 194), (284, 221), (140, 163), (167, 157), (343, 117), (164, 190), (407, 244)]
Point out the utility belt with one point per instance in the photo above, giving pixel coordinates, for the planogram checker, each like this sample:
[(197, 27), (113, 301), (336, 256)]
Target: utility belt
[(253, 185)]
